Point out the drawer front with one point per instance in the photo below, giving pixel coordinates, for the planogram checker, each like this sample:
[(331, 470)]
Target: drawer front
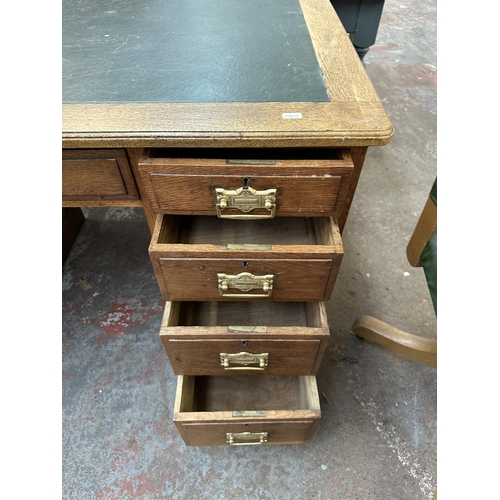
[(239, 188), (247, 433), (207, 259), (97, 175), (255, 357), (287, 279)]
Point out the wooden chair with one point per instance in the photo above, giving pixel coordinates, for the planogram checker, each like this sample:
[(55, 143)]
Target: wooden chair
[(421, 251)]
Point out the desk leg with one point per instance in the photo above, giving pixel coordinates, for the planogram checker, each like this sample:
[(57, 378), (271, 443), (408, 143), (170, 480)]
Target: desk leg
[(134, 154), (72, 220), (370, 12), (358, 159)]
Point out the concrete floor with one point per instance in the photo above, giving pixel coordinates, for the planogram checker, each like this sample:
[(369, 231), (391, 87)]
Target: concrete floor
[(377, 437)]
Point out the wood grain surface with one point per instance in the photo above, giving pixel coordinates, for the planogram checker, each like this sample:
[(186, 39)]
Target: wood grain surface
[(97, 175)]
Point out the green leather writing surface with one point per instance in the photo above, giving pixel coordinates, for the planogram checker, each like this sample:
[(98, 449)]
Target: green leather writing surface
[(188, 51)]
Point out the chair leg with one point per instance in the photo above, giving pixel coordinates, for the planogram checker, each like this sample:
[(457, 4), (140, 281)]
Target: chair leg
[(412, 346), (425, 228)]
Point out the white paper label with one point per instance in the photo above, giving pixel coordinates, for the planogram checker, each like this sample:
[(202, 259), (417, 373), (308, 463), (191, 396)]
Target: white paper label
[(291, 116)]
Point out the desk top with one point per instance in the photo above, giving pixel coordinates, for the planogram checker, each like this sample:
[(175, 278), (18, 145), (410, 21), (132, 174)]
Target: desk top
[(188, 51), (214, 74)]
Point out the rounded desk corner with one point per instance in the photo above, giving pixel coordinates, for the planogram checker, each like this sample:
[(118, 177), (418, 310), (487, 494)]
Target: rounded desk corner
[(389, 134)]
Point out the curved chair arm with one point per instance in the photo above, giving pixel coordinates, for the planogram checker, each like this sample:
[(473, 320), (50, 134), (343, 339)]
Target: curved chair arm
[(412, 346)]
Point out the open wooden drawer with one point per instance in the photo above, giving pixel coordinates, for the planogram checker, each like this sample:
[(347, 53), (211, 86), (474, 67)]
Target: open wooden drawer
[(211, 259), (235, 338), (247, 183), (245, 410)]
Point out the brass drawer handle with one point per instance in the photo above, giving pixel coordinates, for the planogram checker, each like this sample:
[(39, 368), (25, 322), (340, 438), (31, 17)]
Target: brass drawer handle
[(245, 359), (246, 438), (245, 282), (245, 199)]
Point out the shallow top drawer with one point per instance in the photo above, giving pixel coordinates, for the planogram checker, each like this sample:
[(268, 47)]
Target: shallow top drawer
[(93, 175), (246, 184)]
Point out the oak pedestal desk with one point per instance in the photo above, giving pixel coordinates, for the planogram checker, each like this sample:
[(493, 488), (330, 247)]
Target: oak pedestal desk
[(241, 128)]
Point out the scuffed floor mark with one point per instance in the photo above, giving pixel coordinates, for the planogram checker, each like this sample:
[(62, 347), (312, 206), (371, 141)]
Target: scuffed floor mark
[(79, 247), (144, 485), (84, 284), (431, 67), (150, 463), (67, 280), (121, 316), (122, 213), (389, 434), (405, 456)]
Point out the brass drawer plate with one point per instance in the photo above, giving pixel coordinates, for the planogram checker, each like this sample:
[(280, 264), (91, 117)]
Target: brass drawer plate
[(245, 199), (246, 359), (245, 282), (246, 438)]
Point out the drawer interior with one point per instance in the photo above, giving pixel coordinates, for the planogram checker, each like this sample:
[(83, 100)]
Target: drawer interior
[(248, 153), (204, 230), (279, 314), (247, 393)]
